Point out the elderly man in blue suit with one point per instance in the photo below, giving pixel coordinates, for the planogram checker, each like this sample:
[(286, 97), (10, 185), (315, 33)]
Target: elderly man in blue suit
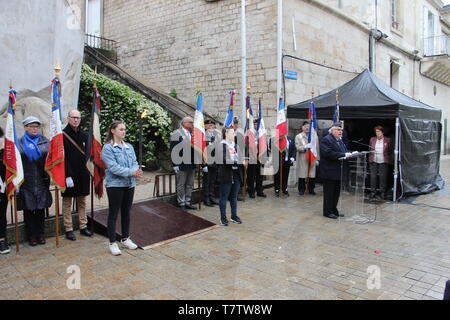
[(332, 148)]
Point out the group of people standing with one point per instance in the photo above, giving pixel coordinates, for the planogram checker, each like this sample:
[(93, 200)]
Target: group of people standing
[(34, 197), (122, 170)]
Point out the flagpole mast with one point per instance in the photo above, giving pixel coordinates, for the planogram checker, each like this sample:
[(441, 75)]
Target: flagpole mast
[(243, 59), (309, 161), (16, 219), (94, 85), (57, 72)]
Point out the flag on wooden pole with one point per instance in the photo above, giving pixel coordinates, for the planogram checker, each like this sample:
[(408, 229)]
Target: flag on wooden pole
[(11, 154), (54, 164), (229, 119), (281, 128), (198, 139), (95, 164), (262, 135)]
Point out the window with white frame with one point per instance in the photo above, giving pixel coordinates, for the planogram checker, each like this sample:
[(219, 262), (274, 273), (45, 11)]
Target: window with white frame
[(431, 39)]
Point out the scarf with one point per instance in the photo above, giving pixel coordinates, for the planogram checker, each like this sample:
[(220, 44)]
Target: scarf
[(30, 146)]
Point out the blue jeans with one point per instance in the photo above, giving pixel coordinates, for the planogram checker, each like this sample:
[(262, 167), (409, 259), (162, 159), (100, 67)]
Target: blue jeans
[(447, 290), (229, 190)]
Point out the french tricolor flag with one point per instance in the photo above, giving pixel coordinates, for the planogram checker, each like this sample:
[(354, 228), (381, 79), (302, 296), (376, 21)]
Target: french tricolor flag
[(198, 137), (311, 154), (54, 164), (262, 135), (281, 128), (11, 155)]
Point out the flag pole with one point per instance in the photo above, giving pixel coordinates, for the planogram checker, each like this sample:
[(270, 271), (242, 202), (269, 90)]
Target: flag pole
[(57, 72), (94, 86), (309, 162), (16, 219)]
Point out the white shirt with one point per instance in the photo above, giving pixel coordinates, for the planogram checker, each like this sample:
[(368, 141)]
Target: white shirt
[(187, 133), (379, 157)]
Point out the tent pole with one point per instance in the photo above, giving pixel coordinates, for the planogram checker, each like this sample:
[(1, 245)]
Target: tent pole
[(397, 131)]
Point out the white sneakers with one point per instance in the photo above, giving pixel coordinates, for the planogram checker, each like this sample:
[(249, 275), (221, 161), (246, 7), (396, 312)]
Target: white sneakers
[(114, 248), (128, 244)]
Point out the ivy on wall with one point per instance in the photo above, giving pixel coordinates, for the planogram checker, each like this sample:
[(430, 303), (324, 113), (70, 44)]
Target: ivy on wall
[(119, 102)]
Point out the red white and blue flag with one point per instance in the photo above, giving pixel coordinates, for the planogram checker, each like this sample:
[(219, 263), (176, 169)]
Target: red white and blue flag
[(311, 154), (281, 128), (95, 164), (250, 134), (262, 135), (198, 139), (54, 164), (229, 119), (11, 154)]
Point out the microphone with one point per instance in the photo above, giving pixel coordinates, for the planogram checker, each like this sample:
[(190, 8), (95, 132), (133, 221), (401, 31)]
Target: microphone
[(363, 144)]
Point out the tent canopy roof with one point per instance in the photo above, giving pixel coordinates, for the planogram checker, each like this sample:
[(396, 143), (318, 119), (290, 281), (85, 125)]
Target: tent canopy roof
[(366, 96)]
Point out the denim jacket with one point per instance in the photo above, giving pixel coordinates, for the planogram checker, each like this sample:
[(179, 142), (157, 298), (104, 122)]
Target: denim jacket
[(120, 165)]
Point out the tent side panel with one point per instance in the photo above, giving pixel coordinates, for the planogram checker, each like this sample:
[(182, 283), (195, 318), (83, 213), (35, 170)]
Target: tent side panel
[(420, 155)]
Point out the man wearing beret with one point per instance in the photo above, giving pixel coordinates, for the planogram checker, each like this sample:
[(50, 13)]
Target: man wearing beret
[(331, 149)]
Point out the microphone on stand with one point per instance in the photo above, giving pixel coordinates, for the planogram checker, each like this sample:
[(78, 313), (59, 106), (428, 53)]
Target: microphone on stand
[(363, 144)]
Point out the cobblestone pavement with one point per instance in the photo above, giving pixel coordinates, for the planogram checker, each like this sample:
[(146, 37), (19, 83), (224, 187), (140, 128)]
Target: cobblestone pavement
[(284, 249)]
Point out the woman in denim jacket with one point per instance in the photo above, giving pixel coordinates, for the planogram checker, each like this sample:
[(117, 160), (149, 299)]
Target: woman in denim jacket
[(122, 170)]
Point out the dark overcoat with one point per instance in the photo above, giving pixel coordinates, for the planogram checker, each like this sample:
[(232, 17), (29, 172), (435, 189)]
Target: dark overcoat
[(75, 162), (34, 193)]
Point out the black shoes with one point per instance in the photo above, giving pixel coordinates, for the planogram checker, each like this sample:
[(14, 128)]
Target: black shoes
[(214, 201), (301, 192), (41, 240), (252, 195), (71, 236), (312, 193), (277, 194), (262, 195), (332, 216), (223, 222), (189, 206), (86, 232), (286, 193), (236, 219), (208, 203), (240, 198), (4, 248), (32, 242)]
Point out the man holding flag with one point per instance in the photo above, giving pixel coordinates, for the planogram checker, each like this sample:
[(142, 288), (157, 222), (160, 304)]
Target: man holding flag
[(77, 174), (285, 148), (252, 143), (307, 145)]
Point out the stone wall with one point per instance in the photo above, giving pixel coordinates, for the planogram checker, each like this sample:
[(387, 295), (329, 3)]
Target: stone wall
[(182, 43), (35, 35)]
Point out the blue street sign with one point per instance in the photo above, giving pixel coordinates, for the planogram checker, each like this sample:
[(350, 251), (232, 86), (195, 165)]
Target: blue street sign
[(289, 74)]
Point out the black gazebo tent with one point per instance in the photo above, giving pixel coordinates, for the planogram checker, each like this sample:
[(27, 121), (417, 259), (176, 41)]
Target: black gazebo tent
[(417, 130)]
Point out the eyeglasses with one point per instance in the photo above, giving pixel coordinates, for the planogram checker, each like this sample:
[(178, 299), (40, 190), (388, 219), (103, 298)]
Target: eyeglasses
[(34, 127)]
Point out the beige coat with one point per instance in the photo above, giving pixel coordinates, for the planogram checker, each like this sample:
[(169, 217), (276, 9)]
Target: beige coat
[(301, 140)]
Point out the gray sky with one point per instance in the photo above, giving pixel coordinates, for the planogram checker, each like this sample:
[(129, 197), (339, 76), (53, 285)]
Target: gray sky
[(446, 2)]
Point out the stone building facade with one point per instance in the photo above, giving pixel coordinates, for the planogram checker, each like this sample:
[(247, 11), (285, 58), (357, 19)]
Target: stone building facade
[(182, 44)]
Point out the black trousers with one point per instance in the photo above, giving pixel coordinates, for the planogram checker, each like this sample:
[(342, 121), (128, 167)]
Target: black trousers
[(285, 173), (209, 183), (34, 223), (302, 184), (331, 192), (378, 170), (3, 207), (119, 199), (254, 175)]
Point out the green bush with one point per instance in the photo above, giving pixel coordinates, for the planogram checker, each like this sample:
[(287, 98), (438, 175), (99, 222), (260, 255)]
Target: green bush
[(119, 102)]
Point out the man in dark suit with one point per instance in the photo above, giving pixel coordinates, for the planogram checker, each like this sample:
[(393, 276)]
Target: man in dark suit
[(285, 162), (254, 173), (331, 149), (182, 156)]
